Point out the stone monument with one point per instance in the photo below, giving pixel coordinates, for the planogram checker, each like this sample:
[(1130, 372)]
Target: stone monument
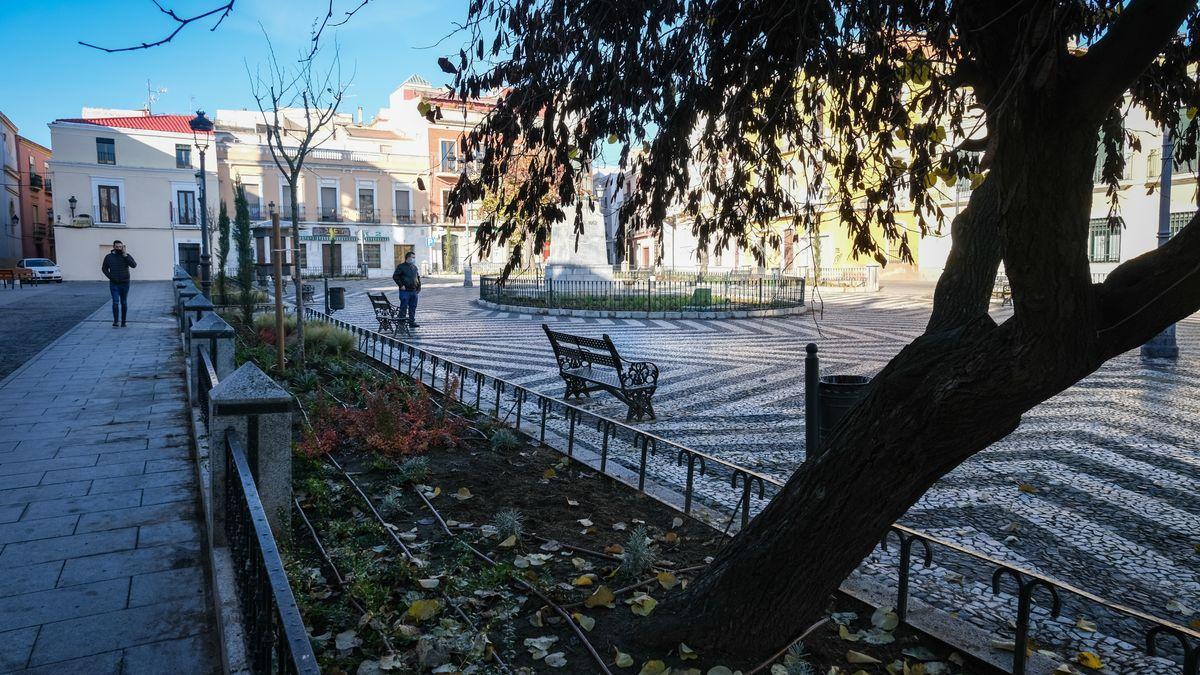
[(581, 257)]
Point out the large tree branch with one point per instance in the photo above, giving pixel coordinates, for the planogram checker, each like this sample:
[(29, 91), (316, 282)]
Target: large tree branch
[(1145, 295), (965, 286), (182, 22), (1130, 45)]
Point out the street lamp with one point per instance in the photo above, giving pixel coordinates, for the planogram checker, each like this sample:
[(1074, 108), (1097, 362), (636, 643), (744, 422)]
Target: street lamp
[(201, 130), (72, 202)]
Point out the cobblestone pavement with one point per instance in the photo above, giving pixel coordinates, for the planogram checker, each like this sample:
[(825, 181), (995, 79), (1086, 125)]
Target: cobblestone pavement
[(1113, 464), (100, 530), (31, 317)]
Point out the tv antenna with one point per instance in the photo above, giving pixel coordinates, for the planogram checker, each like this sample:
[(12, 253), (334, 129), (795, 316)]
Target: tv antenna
[(152, 95)]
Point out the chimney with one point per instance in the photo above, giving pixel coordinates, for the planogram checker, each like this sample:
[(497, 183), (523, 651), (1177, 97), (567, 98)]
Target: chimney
[(360, 115)]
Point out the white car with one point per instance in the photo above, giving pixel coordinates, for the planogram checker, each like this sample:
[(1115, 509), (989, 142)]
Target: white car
[(42, 269)]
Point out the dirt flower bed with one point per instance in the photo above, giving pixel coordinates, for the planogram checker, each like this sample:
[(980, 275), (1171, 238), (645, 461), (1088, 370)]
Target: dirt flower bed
[(467, 548)]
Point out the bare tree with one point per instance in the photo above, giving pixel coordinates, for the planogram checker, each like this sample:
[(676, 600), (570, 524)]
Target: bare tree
[(314, 95)]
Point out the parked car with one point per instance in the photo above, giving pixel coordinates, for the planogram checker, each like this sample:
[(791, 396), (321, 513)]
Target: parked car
[(42, 269)]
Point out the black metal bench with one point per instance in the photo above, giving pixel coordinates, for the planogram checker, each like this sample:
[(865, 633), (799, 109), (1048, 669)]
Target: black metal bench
[(1001, 290), (390, 317), (590, 364)]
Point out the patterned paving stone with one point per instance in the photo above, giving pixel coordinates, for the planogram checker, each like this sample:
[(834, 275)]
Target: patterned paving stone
[(97, 499), (1114, 460)]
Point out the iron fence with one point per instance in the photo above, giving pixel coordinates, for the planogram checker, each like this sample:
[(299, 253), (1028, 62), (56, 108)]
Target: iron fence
[(276, 639), (703, 485), (645, 294)]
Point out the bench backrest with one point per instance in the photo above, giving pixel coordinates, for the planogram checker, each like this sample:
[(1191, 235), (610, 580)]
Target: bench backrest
[(379, 301), (585, 350), (7, 275)]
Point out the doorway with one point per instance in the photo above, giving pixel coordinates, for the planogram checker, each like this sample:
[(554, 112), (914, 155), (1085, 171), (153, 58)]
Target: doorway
[(401, 250), (189, 258), (331, 259)]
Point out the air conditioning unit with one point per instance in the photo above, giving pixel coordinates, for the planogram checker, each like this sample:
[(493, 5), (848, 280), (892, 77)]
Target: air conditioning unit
[(82, 220)]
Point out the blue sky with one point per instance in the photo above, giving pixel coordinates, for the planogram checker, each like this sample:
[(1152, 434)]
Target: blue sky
[(48, 75)]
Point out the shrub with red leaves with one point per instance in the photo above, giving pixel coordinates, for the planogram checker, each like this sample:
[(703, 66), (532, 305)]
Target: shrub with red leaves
[(394, 421)]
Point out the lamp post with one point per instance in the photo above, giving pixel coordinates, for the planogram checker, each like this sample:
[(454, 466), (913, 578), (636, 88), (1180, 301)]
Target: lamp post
[(72, 202), (1163, 345), (201, 129)]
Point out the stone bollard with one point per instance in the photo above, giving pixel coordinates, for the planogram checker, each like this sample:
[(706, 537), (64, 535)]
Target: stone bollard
[(256, 412), (186, 293), (195, 309), (467, 277), (213, 335)]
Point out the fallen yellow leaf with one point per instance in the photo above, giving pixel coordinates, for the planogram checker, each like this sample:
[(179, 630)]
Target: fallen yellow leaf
[(424, 609), (671, 538), (463, 494), (667, 580), (510, 542), (623, 660), (583, 580), (549, 473), (859, 657), (602, 597), (586, 622), (1089, 660), (686, 652), (614, 549), (654, 667), (1085, 625)]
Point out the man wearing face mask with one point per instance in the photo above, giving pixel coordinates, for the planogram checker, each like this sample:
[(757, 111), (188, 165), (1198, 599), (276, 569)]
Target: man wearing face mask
[(116, 267)]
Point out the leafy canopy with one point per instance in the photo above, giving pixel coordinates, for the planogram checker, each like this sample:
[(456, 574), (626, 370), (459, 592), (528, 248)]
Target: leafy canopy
[(744, 112)]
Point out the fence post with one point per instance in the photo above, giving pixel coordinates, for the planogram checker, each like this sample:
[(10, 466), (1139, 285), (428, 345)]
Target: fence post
[(253, 406), (198, 305), (185, 293), (215, 335), (549, 292), (812, 393)]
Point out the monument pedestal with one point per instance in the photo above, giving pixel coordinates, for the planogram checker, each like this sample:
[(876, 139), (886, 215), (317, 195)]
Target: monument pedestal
[(576, 272), (579, 257)]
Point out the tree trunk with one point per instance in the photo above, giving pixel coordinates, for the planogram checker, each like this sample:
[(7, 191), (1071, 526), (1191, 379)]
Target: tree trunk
[(297, 276), (954, 391)]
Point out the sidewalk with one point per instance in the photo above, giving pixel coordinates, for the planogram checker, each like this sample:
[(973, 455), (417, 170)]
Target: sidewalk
[(100, 530)]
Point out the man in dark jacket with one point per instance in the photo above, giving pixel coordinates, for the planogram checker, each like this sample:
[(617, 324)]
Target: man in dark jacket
[(408, 278), (116, 267)]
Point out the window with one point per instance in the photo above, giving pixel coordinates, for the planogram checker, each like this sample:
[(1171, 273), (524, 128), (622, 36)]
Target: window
[(106, 151), (366, 206), (254, 200), (449, 160), (303, 249), (109, 206), (185, 205), (1178, 220), (1191, 164), (35, 214), (329, 210), (446, 203), (183, 156), (371, 253), (1104, 240), (1122, 150), (403, 206)]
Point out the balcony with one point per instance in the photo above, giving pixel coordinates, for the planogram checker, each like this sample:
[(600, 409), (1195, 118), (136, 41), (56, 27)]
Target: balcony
[(404, 216), (330, 214), (40, 230), (107, 216), (286, 212), (49, 187), (368, 216), (36, 182)]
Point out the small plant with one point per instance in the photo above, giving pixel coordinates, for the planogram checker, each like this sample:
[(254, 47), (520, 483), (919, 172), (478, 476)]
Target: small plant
[(323, 339), (504, 440), (796, 661), (390, 505), (509, 523), (304, 380), (639, 555), (413, 470)]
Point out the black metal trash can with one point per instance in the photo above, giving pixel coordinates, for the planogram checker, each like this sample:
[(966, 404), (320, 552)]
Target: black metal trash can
[(337, 298), (838, 394)]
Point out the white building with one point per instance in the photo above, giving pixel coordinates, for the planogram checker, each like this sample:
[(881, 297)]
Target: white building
[(132, 176), (10, 180)]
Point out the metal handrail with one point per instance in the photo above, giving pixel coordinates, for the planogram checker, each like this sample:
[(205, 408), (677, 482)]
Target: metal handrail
[(742, 479), (275, 633)]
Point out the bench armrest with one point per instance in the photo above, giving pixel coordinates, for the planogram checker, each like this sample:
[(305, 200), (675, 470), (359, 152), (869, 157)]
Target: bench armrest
[(639, 373)]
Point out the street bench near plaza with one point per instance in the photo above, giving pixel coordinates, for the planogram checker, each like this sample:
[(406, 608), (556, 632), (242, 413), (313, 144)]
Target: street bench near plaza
[(308, 291), (590, 364), (390, 317), (1001, 290)]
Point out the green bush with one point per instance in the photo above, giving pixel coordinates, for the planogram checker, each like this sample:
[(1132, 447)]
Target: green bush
[(323, 339), (266, 321)]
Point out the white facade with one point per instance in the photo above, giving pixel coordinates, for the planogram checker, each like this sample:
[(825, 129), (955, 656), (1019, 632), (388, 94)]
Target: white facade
[(10, 207), (137, 185)]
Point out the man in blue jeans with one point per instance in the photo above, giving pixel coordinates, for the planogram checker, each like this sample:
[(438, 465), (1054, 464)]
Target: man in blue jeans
[(116, 267), (408, 278)]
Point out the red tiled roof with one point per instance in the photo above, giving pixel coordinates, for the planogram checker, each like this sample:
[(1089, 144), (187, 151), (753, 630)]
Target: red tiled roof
[(173, 123)]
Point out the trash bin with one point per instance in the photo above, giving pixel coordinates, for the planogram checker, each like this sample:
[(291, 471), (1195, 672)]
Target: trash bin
[(702, 297), (337, 298), (838, 394)]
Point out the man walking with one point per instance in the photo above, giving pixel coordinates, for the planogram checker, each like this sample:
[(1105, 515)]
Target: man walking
[(116, 267), (408, 278)]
